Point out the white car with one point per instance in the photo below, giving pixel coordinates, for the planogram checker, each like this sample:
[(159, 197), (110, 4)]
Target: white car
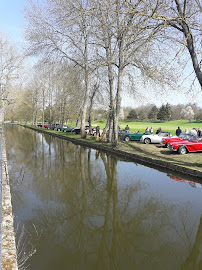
[(155, 138)]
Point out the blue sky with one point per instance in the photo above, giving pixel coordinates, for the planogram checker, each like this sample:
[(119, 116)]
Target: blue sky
[(12, 19)]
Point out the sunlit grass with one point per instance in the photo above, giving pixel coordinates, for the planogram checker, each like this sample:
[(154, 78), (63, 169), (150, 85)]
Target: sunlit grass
[(170, 126)]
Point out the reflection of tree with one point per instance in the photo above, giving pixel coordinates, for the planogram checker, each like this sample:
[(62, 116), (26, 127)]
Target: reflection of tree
[(193, 261), (111, 171), (123, 230)]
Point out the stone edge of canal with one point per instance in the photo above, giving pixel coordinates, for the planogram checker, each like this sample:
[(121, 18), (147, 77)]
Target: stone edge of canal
[(8, 244), (133, 157)]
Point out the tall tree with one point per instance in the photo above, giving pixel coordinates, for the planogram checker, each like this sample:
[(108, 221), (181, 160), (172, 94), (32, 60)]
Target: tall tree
[(10, 65), (162, 113), (180, 22), (63, 29), (152, 115), (132, 115), (124, 38)]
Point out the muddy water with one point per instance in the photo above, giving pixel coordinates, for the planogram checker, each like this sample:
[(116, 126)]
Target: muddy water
[(76, 208)]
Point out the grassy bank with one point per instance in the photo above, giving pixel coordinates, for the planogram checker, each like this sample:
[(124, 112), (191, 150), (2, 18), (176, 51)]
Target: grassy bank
[(170, 126), (156, 152)]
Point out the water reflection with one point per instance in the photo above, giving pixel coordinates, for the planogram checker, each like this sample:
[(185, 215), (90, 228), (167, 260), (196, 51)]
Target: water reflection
[(98, 212), (191, 183)]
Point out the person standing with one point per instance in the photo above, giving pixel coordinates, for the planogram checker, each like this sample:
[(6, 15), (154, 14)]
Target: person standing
[(199, 133), (193, 132), (127, 129), (151, 130), (97, 132), (158, 130), (178, 131), (146, 130)]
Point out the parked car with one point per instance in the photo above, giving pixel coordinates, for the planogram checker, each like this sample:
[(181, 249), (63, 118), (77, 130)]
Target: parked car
[(184, 147), (134, 136), (39, 125), (58, 127), (66, 129), (155, 138), (54, 126), (46, 125), (93, 130), (76, 130), (166, 141)]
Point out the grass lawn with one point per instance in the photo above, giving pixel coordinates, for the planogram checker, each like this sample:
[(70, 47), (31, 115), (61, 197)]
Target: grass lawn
[(155, 151), (170, 126)]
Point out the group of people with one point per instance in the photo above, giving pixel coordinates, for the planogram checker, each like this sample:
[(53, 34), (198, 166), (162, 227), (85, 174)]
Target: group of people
[(194, 131), (148, 130)]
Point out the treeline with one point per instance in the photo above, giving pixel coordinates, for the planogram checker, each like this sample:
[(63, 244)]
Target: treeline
[(163, 113)]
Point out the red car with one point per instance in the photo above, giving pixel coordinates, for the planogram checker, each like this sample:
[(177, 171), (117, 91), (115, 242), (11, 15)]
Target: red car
[(183, 147), (46, 125), (166, 141)]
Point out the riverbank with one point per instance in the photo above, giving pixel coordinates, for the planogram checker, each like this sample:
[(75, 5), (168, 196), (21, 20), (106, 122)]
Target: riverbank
[(152, 155), (8, 253)]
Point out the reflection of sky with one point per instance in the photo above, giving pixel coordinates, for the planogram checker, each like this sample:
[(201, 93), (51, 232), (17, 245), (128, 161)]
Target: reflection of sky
[(158, 182)]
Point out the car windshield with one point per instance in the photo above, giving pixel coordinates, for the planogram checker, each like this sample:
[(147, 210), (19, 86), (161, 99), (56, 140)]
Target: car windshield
[(185, 136), (163, 134), (192, 139)]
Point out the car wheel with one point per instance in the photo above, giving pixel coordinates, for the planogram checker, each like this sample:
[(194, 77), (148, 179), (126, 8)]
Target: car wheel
[(147, 141), (127, 138), (182, 150)]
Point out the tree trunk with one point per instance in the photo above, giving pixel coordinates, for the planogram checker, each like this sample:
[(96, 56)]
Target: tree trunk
[(190, 44), (90, 107)]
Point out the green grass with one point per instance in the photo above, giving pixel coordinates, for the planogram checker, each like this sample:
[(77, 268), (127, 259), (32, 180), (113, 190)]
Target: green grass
[(170, 126)]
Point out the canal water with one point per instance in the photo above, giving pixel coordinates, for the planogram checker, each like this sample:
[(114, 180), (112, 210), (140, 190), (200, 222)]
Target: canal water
[(77, 208)]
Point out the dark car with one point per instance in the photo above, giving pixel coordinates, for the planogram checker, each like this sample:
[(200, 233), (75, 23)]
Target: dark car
[(76, 130), (66, 129)]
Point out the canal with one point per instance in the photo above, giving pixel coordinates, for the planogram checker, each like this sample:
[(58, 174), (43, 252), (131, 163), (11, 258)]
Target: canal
[(77, 208)]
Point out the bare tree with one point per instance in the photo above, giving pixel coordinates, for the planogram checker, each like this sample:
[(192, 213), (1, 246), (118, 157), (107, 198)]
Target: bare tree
[(125, 39), (180, 22), (62, 30), (10, 64)]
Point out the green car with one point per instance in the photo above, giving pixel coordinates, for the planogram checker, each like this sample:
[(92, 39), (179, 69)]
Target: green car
[(136, 136), (66, 129)]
